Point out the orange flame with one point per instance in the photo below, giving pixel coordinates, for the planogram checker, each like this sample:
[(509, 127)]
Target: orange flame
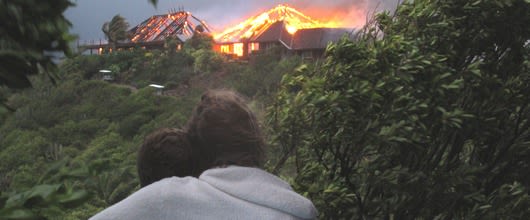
[(159, 27), (292, 18)]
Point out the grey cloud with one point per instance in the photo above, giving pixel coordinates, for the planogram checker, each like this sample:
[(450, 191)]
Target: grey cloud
[(88, 16)]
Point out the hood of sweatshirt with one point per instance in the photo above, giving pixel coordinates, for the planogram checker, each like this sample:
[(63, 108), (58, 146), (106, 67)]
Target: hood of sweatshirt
[(261, 188)]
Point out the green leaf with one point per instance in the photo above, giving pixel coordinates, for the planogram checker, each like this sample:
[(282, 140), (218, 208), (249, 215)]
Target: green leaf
[(74, 199), (19, 214)]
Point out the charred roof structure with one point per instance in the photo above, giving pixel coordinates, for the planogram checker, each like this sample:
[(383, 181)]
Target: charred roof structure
[(180, 25), (153, 32), (282, 26)]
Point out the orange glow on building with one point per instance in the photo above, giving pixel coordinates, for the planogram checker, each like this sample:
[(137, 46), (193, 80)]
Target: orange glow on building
[(293, 19), (254, 46), (159, 27), (225, 48), (238, 49)]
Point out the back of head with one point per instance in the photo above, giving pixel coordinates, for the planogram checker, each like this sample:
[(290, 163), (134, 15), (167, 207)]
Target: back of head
[(165, 152), (225, 131)]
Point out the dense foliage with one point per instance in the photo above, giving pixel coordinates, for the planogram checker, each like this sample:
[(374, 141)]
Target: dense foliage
[(94, 125), (424, 116), (31, 33), (137, 68), (27, 46), (79, 137), (261, 77)]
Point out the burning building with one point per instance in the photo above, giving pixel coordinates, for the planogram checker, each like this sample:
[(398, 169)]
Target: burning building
[(153, 32), (282, 26)]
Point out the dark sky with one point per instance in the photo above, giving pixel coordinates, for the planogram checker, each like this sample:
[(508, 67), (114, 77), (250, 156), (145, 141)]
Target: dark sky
[(88, 16)]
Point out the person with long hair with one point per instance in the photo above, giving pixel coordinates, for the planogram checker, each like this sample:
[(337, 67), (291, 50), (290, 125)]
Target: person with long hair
[(227, 182)]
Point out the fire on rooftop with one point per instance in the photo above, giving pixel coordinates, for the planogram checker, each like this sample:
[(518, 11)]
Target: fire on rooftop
[(180, 24), (282, 26), (293, 19)]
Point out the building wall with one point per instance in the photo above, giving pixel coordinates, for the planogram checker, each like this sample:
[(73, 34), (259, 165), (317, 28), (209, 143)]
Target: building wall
[(243, 50)]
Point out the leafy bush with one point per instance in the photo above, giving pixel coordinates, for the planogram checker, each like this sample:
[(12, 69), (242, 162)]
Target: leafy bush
[(130, 125), (424, 116), (20, 147), (207, 61), (89, 121), (262, 75), (45, 200), (84, 66)]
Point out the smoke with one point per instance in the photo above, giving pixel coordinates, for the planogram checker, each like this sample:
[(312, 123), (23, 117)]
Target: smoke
[(351, 13), (89, 15)]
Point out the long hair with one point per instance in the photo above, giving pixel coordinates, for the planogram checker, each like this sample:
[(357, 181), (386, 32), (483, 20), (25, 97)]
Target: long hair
[(224, 131)]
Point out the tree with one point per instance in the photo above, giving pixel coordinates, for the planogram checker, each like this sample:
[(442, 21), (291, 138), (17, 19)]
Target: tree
[(115, 30), (425, 116), (199, 40), (30, 33), (45, 199), (206, 61)]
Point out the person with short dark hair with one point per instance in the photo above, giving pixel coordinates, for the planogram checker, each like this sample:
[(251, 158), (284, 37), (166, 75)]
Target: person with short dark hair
[(227, 147), (165, 152)]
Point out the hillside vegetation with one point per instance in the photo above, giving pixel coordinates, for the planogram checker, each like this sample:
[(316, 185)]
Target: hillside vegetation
[(425, 115), (85, 132)]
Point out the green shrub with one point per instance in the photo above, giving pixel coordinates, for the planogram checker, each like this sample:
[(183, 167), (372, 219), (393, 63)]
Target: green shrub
[(424, 116), (207, 61), (129, 126)]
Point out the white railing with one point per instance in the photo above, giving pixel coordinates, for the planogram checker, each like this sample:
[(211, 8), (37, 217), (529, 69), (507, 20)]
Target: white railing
[(91, 42)]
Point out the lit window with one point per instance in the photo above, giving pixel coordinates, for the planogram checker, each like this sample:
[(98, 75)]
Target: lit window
[(225, 49), (254, 46), (238, 49)]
